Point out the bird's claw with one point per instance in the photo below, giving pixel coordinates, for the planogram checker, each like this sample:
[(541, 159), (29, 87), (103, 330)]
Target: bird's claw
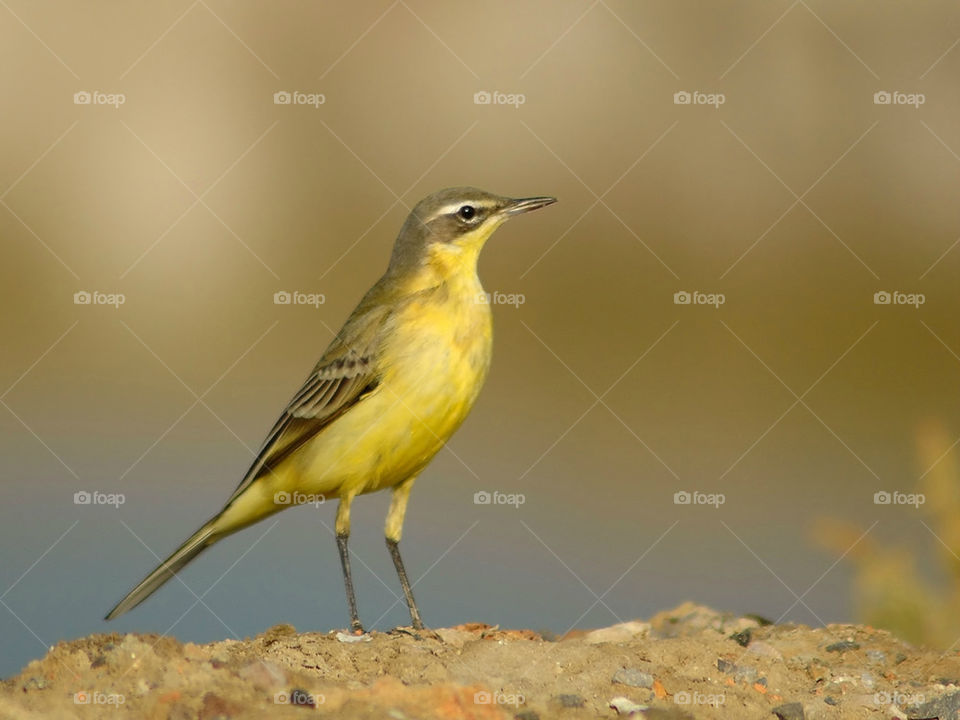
[(418, 633)]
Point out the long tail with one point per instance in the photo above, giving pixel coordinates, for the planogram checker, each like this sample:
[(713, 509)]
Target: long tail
[(197, 543)]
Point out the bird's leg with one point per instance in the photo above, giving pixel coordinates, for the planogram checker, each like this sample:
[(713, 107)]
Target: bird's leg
[(343, 534), (394, 548), (394, 529)]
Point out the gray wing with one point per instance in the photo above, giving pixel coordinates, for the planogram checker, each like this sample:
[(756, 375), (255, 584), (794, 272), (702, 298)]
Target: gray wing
[(344, 375)]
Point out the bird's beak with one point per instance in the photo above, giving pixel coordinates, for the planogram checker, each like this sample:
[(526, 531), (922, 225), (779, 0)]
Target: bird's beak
[(522, 205)]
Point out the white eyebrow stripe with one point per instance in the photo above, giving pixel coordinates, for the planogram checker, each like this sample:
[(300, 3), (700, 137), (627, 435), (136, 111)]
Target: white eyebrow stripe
[(453, 207)]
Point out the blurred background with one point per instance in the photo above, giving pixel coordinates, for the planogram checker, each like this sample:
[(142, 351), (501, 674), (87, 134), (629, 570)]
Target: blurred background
[(727, 362)]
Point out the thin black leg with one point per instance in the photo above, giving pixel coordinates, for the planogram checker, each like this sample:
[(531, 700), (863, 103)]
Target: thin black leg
[(394, 548), (348, 582)]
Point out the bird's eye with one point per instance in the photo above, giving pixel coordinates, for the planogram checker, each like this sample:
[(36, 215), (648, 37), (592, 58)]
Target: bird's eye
[(467, 212)]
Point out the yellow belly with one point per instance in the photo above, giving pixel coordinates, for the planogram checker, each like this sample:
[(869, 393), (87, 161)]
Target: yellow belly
[(435, 360)]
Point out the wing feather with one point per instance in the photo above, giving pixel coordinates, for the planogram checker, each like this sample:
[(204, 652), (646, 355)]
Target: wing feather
[(344, 375)]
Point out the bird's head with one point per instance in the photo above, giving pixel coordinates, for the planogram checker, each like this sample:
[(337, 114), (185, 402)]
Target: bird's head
[(446, 231)]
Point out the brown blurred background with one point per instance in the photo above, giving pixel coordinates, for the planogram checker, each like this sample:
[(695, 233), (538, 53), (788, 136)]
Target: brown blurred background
[(797, 195)]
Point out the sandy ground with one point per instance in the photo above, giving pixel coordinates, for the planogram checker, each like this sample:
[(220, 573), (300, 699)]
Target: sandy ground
[(691, 662)]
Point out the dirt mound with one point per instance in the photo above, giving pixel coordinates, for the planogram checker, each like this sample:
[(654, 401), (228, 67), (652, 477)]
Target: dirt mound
[(691, 662)]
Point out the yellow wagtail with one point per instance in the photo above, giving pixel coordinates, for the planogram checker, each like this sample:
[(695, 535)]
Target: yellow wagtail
[(394, 385)]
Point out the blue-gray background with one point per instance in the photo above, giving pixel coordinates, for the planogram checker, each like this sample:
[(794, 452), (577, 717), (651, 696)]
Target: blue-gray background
[(198, 198)]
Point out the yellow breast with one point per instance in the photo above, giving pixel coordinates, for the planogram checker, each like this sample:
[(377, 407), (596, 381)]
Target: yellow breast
[(434, 358), (437, 360)]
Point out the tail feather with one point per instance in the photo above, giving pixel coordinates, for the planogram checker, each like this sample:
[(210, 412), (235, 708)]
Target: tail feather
[(197, 543)]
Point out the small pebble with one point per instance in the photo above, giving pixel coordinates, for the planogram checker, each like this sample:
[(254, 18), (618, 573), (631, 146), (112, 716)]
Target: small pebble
[(945, 706), (570, 701), (741, 673), (625, 706), (830, 700), (742, 638), (633, 678), (624, 632), (344, 638), (301, 698), (789, 711), (877, 656), (35, 683), (843, 646), (764, 650)]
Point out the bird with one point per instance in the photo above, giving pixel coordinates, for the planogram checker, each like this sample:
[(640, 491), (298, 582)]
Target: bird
[(392, 387)]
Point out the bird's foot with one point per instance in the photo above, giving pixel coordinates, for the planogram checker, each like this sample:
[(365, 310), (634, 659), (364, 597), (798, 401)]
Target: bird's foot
[(418, 633)]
